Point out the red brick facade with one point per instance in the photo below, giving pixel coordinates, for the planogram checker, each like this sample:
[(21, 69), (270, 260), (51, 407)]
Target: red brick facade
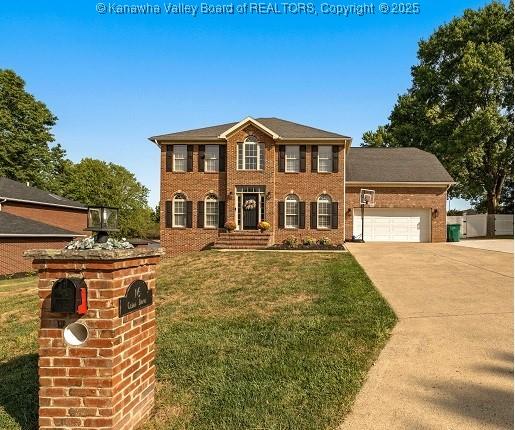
[(12, 249), (108, 381), (405, 197), (195, 185), (307, 186), (58, 216)]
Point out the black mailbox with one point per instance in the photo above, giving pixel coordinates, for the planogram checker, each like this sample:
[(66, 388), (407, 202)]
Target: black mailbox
[(69, 296)]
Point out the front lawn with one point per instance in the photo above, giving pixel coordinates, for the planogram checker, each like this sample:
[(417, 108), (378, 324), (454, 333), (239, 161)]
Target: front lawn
[(245, 341)]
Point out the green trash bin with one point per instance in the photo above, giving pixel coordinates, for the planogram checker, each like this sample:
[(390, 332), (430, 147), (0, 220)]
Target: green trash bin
[(453, 232)]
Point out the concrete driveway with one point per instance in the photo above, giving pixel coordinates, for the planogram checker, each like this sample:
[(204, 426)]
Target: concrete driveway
[(449, 362)]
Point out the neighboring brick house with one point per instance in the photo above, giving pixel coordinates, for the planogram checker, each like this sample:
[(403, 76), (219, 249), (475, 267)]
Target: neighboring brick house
[(31, 218), (298, 178)]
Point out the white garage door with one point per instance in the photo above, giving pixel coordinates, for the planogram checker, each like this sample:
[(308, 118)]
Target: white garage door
[(393, 225)]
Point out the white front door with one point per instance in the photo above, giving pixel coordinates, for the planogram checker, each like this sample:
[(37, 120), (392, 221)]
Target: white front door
[(393, 224)]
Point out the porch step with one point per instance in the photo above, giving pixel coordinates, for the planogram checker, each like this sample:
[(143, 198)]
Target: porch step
[(253, 233), (242, 240), (239, 246)]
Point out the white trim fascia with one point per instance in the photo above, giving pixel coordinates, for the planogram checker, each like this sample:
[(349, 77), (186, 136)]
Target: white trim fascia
[(344, 196), (286, 140), (41, 235), (400, 184), (336, 140), (198, 140), (236, 127), (44, 203)]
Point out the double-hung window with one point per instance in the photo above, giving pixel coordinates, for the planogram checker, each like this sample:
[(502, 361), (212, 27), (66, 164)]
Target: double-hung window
[(325, 159), (179, 211), (251, 154), (292, 158), (324, 212), (211, 212), (211, 158), (291, 212), (180, 158)]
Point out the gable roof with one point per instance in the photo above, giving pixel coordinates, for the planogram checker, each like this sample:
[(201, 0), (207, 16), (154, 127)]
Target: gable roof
[(394, 165), (16, 191), (243, 123), (13, 225), (282, 128)]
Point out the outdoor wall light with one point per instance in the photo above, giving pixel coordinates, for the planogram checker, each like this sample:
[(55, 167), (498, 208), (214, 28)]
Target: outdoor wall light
[(268, 195), (435, 213), (102, 220), (349, 211)]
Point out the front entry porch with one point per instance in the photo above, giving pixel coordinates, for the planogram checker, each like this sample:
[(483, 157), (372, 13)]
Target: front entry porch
[(250, 206), (243, 239)]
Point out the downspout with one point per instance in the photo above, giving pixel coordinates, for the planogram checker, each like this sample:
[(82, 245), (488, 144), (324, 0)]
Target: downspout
[(447, 195), (162, 209), (274, 217), (2, 201)]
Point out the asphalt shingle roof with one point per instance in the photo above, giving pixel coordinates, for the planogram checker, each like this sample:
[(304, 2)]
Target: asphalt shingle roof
[(14, 225), (10, 189), (285, 129), (394, 165)]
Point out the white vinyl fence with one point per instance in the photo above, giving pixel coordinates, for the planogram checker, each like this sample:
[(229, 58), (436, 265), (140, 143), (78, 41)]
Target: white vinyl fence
[(475, 225)]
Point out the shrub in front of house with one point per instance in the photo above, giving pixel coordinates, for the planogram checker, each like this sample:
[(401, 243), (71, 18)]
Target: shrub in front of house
[(264, 226), (230, 226), (291, 242), (324, 241), (309, 241)]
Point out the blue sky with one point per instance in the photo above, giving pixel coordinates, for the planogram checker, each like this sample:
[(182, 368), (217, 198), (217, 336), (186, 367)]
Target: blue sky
[(113, 80)]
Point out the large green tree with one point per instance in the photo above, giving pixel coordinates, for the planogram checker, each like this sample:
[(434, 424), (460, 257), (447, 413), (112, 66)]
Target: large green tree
[(26, 153), (505, 202), (460, 104), (96, 183)]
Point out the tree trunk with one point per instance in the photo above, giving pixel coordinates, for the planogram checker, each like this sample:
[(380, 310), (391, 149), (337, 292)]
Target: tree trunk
[(490, 218), (492, 203)]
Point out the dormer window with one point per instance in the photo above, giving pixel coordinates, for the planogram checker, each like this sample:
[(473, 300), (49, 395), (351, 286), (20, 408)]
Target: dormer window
[(251, 154)]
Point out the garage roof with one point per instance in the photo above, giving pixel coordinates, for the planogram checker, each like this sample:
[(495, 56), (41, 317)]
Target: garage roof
[(13, 225), (394, 165)]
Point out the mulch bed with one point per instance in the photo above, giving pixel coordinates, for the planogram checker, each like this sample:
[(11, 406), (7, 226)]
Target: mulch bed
[(309, 247)]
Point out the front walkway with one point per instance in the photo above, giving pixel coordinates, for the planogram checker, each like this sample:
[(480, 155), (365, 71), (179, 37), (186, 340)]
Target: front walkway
[(449, 362), (500, 245)]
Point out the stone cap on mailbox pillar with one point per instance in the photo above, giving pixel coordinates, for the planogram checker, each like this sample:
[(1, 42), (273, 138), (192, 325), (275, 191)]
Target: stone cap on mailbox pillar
[(97, 336), (92, 254)]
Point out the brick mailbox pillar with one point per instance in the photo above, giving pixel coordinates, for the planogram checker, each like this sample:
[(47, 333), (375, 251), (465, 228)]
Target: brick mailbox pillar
[(96, 361)]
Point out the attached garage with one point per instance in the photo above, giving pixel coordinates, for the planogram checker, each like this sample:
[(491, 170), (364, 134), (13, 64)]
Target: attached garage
[(410, 195), (393, 224)]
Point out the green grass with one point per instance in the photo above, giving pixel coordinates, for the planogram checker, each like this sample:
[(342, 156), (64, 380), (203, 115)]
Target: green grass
[(245, 341), (19, 319)]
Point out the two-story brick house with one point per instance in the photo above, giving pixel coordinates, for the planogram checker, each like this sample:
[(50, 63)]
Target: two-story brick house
[(294, 176)]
